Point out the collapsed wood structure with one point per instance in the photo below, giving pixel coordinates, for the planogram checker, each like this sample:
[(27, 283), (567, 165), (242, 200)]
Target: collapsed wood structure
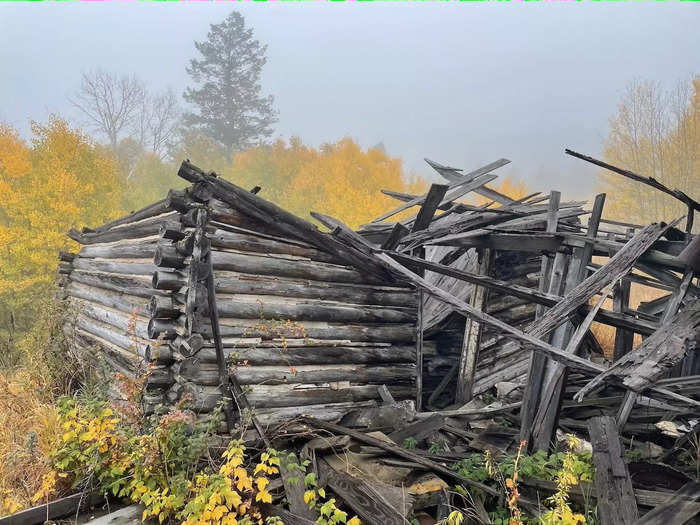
[(224, 295)]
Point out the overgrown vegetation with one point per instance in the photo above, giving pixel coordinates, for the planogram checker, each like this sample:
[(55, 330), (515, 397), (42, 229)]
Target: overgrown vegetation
[(566, 469)]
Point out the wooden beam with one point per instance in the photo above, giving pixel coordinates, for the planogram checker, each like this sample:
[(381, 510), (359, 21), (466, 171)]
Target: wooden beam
[(616, 502), (683, 506), (649, 181), (452, 175), (472, 334), (527, 339), (430, 205), (552, 384)]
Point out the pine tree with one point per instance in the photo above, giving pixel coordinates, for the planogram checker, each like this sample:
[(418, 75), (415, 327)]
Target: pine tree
[(229, 105)]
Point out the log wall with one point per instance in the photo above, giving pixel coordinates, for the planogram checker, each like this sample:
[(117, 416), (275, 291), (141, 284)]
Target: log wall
[(301, 330)]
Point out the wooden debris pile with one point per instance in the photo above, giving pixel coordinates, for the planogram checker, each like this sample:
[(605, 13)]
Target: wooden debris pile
[(225, 296)]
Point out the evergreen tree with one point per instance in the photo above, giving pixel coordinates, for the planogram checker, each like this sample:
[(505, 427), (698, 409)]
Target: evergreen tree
[(229, 105)]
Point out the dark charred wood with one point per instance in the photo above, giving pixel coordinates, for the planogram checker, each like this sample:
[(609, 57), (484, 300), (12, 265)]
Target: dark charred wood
[(66, 256), (177, 200), (172, 230), (167, 280), (164, 307), (167, 256), (162, 328), (616, 503)]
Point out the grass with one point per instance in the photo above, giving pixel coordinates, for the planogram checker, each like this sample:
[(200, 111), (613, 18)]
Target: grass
[(30, 382)]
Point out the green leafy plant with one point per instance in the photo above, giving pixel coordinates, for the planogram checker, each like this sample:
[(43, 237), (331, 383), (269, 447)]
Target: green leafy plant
[(409, 443)]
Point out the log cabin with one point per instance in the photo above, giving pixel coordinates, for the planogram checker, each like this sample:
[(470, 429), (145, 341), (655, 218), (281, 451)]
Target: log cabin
[(214, 282)]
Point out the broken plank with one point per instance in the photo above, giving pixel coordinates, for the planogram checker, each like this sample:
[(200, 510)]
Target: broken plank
[(419, 430), (679, 508), (472, 334), (430, 205), (360, 495), (398, 451), (657, 354), (515, 290)]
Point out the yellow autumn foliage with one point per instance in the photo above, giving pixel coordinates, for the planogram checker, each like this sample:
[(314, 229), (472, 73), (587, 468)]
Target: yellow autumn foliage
[(654, 133), (63, 179), (339, 179)]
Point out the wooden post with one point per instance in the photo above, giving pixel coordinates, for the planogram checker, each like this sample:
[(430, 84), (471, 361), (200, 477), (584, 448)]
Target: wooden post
[(472, 333), (555, 374), (624, 339), (616, 501), (551, 276), (419, 351)]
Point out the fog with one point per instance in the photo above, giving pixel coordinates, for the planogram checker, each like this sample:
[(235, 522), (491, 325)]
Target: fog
[(461, 83)]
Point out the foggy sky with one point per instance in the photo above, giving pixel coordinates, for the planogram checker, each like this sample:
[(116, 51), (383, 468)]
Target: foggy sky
[(463, 84)]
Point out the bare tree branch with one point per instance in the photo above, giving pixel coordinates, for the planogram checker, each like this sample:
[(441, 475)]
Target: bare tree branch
[(110, 103)]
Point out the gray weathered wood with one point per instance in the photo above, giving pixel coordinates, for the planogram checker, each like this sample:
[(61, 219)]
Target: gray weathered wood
[(616, 503), (472, 335), (679, 508)]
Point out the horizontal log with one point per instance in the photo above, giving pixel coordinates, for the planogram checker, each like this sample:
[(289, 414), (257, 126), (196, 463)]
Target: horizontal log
[(157, 208), (66, 256), (207, 374), (129, 249), (188, 346), (137, 285), (159, 351), (220, 212), (206, 398), (130, 323), (162, 328), (162, 280), (310, 355), (274, 307), (394, 333), (240, 283), (132, 267), (287, 266), (144, 228), (87, 347), (164, 307), (126, 303), (129, 305), (271, 417), (167, 256), (222, 240), (107, 332), (129, 366)]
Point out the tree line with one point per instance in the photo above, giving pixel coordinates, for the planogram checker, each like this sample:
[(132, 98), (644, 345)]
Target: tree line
[(655, 132), (124, 152)]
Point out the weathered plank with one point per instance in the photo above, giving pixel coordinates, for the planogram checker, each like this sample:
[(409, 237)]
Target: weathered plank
[(472, 335), (430, 205), (616, 503), (361, 497), (679, 508), (657, 354)]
